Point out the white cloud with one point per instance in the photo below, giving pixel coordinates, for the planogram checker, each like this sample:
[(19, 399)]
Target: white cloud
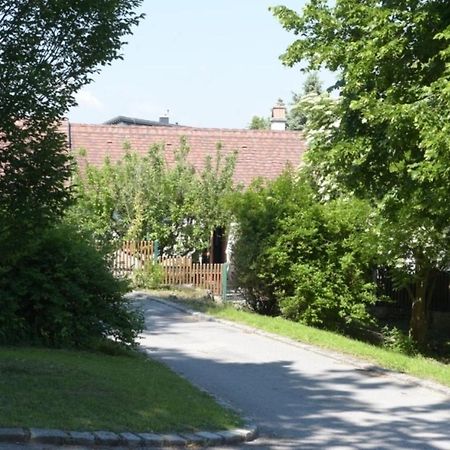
[(86, 99)]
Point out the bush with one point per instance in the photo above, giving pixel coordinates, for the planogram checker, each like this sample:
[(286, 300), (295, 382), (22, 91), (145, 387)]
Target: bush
[(327, 253), (306, 260), (329, 297), (258, 212), (399, 341), (150, 276), (58, 291)]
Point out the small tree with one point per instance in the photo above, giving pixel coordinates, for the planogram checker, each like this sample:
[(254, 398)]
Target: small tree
[(259, 123), (143, 197)]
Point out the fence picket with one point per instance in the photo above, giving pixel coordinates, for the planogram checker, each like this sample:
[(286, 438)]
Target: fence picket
[(177, 270)]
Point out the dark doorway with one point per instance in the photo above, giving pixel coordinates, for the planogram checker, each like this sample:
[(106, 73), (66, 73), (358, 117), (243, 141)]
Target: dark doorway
[(218, 246)]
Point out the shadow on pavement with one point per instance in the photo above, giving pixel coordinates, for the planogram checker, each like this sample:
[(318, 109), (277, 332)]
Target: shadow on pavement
[(343, 407)]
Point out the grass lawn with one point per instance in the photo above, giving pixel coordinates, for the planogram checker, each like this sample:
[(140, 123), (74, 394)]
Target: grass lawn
[(418, 366), (74, 390)]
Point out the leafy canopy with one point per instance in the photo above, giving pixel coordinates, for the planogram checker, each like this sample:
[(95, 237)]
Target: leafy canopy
[(389, 139), (48, 50), (259, 123), (298, 115)]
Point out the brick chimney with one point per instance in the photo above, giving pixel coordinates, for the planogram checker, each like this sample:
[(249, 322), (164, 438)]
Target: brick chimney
[(278, 119)]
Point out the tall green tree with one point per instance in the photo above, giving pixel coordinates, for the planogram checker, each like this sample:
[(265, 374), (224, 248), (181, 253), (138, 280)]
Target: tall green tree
[(390, 141), (48, 50), (55, 288)]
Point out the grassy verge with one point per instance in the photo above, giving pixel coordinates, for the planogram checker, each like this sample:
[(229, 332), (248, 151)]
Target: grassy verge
[(418, 366), (93, 391)]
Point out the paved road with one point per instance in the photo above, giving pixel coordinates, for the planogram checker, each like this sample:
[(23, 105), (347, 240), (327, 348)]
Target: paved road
[(301, 397)]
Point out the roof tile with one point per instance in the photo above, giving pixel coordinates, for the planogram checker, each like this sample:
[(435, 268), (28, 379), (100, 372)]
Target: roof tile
[(261, 153)]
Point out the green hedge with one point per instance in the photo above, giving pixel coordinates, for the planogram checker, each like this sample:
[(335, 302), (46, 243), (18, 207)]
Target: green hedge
[(306, 260), (57, 290)]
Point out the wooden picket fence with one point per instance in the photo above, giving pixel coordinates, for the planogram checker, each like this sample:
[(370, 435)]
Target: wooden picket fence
[(178, 270), (182, 271), (131, 256)]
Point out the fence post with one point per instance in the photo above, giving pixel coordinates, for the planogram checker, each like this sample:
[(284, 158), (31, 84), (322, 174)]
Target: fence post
[(224, 280), (155, 251)]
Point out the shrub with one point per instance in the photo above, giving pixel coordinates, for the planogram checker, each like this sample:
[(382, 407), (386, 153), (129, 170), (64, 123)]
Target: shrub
[(306, 260), (258, 212), (58, 291), (325, 256), (399, 341), (150, 276)]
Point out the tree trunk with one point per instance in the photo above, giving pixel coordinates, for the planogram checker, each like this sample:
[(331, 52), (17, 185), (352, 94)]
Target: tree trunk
[(418, 327)]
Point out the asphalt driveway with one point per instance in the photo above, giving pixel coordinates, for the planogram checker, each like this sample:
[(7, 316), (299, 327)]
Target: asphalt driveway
[(300, 397)]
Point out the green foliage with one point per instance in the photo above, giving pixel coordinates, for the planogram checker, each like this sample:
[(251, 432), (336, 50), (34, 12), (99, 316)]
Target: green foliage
[(54, 288), (59, 291), (150, 276), (144, 197), (258, 211), (395, 339), (329, 247), (308, 260), (33, 190), (48, 51), (312, 84), (51, 48), (259, 123), (389, 140), (297, 117)]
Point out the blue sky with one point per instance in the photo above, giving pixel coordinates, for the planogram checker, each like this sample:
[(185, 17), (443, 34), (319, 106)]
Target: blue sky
[(210, 63)]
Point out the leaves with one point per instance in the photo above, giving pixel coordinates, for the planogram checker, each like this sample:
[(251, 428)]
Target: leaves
[(306, 259), (389, 143), (48, 50), (145, 197)]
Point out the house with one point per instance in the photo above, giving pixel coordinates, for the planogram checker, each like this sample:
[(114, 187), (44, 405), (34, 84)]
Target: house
[(261, 153)]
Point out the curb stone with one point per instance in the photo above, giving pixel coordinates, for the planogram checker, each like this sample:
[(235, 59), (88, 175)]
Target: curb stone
[(14, 435), (107, 438), (126, 438), (152, 440), (133, 440), (48, 436), (82, 438)]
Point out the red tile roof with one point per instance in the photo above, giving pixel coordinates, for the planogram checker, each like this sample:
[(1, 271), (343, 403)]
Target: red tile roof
[(262, 153)]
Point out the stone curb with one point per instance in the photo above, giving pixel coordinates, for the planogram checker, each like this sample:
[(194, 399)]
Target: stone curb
[(359, 363), (126, 439)]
